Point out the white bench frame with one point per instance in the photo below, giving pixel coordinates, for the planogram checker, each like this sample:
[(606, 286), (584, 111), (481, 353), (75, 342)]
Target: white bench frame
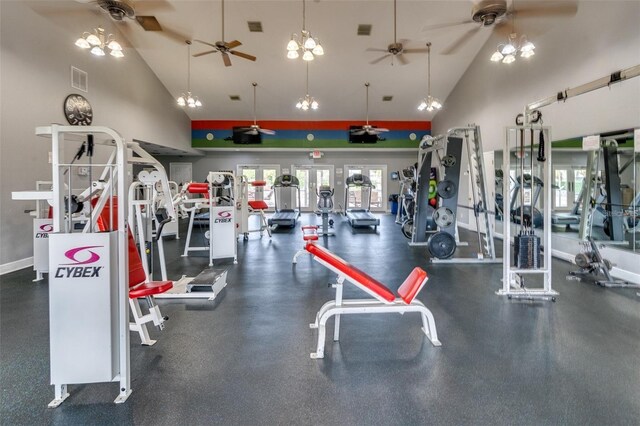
[(339, 306)]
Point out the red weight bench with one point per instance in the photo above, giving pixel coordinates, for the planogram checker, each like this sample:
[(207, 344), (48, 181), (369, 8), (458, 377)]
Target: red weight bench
[(383, 300), (258, 207), (309, 234), (139, 283)]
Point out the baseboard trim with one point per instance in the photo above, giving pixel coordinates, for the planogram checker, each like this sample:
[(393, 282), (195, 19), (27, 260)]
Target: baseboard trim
[(16, 265)]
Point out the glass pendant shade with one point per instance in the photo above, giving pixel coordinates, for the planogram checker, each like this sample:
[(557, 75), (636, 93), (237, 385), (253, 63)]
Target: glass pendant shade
[(508, 59), (307, 56), (497, 56), (117, 53), (96, 50), (292, 54), (93, 40), (318, 50), (83, 43), (292, 45), (508, 49)]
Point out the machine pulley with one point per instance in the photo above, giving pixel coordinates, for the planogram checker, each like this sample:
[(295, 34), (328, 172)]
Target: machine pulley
[(449, 160)]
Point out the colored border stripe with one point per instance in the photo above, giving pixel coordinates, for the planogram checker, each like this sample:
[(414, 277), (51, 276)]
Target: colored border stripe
[(309, 125)]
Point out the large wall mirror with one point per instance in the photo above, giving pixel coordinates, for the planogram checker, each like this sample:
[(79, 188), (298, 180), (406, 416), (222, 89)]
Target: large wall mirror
[(606, 181)]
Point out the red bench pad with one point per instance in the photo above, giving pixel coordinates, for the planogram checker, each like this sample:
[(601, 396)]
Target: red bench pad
[(258, 205), (259, 183), (198, 188), (137, 276), (357, 276), (150, 288), (412, 285)]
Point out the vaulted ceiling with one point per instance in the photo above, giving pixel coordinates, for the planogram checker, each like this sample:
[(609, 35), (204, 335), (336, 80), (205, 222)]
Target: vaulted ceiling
[(336, 79)]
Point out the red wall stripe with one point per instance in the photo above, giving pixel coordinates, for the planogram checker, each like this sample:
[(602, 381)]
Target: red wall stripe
[(308, 125)]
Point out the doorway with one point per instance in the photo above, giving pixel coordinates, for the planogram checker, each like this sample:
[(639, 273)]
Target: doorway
[(265, 172), (311, 177), (378, 176)]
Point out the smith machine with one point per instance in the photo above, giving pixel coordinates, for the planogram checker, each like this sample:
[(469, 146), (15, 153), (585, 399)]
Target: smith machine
[(434, 224)]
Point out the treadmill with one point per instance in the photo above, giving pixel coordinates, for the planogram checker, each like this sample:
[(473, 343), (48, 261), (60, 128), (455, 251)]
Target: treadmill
[(286, 217), (360, 217)]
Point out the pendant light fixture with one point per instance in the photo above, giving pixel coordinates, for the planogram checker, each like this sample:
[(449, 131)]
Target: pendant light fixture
[(99, 43), (307, 102), (506, 53), (305, 44), (429, 103), (188, 99)]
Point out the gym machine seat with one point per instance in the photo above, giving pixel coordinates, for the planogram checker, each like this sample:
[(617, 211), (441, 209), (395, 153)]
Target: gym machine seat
[(139, 285), (384, 300)]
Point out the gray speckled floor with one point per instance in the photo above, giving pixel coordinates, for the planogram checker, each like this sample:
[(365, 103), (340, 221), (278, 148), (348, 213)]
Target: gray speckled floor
[(244, 359)]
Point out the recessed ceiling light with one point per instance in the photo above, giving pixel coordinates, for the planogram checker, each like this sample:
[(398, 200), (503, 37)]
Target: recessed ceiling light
[(255, 26), (364, 29)]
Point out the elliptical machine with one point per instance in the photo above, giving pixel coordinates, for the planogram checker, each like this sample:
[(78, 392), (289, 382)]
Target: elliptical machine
[(325, 207)]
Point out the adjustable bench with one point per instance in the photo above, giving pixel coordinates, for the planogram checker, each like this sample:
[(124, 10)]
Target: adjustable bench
[(383, 300)]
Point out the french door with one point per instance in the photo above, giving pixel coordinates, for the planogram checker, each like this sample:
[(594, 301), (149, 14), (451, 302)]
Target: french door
[(378, 176), (266, 172), (311, 177), (568, 182)]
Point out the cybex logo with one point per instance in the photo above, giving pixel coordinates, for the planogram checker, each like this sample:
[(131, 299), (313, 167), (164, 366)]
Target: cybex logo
[(44, 230), (80, 256), (224, 216)]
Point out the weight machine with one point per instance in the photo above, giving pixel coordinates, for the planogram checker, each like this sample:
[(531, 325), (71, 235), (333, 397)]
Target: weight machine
[(526, 259), (325, 208), (406, 199), (220, 191), (591, 262)]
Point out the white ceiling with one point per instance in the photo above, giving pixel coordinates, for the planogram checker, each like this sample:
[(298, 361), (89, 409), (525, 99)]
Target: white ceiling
[(336, 80)]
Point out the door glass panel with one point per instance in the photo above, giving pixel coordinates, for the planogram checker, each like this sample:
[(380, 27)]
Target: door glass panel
[(561, 182), (269, 175), (578, 180), (323, 177), (250, 174), (376, 192), (303, 177)]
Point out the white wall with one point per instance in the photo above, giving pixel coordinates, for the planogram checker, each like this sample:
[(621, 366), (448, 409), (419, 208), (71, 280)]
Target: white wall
[(36, 54), (601, 38)]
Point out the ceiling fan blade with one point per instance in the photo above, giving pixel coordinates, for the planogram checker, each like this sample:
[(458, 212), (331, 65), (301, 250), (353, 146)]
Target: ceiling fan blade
[(445, 25), (380, 59), (460, 41), (232, 44), (243, 55), (402, 59), (546, 9), (251, 131), (197, 55), (380, 129), (204, 42), (357, 132), (374, 49), (267, 131), (414, 50), (148, 23), (226, 59)]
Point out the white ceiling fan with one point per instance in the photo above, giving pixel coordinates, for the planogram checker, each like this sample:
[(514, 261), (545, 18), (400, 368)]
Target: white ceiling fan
[(367, 128), (395, 49), (224, 48), (254, 129), (496, 14)]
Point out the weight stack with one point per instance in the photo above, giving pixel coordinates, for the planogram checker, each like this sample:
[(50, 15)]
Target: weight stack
[(527, 251)]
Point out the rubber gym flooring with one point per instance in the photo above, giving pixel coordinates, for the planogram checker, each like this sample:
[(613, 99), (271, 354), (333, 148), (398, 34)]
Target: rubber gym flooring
[(243, 359)]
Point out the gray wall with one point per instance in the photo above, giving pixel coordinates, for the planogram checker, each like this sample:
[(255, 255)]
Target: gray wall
[(601, 38), (229, 160), (36, 55)]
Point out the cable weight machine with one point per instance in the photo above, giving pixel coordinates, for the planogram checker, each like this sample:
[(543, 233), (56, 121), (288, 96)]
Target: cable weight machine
[(526, 258)]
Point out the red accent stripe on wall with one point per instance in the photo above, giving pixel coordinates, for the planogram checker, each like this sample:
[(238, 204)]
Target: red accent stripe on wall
[(308, 125)]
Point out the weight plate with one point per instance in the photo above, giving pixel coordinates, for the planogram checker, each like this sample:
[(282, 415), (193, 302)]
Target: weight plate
[(449, 160), (444, 217), (207, 235), (583, 260), (447, 188), (433, 188), (407, 228), (441, 245)]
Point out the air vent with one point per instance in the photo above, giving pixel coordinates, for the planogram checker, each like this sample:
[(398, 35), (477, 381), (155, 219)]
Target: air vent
[(234, 97), (364, 29), (387, 98), (79, 79), (255, 26)]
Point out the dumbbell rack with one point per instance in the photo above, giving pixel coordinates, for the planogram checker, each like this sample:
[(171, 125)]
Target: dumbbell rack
[(479, 191), (513, 279)]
